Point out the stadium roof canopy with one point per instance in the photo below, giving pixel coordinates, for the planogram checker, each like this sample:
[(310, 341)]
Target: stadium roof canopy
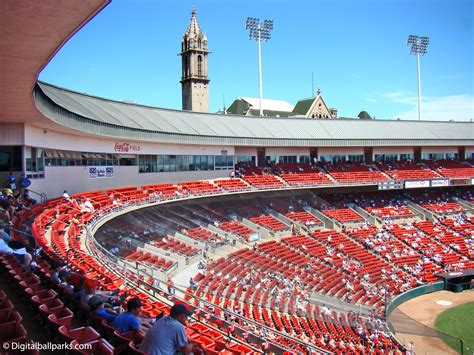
[(119, 119), (32, 32)]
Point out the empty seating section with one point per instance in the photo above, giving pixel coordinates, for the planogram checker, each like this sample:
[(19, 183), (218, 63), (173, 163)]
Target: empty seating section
[(437, 202), (304, 217), (343, 215), (356, 173), (452, 169), (130, 193), (306, 178), (161, 190), (232, 185), (203, 235), (269, 222), (263, 181), (406, 171), (384, 205), (237, 228), (176, 246), (155, 261), (198, 187)]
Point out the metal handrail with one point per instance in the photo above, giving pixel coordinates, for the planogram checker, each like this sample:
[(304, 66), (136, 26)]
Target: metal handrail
[(42, 195)]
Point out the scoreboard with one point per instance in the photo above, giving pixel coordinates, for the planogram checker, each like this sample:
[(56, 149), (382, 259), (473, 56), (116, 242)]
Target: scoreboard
[(390, 185)]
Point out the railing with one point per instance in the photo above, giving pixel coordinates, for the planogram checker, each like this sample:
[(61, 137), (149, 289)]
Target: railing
[(42, 195)]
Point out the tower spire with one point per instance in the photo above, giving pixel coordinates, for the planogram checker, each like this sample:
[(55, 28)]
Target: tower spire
[(194, 78)]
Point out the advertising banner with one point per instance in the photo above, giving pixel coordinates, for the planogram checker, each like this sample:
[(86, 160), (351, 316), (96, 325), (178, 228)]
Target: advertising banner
[(435, 183), (456, 182), (100, 172), (417, 184)]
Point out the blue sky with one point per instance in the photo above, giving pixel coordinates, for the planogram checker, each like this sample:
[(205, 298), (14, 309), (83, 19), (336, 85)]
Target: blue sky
[(356, 51)]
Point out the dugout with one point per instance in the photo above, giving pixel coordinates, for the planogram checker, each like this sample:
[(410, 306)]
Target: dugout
[(457, 281)]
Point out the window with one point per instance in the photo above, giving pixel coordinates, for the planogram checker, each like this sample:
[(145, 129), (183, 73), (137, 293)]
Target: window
[(10, 158), (245, 158), (285, 159), (199, 65), (356, 158), (304, 159)]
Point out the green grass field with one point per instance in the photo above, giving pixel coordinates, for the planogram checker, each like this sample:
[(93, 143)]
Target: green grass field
[(458, 322)]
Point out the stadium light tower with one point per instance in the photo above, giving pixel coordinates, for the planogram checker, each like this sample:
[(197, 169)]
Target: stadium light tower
[(419, 45), (259, 31)]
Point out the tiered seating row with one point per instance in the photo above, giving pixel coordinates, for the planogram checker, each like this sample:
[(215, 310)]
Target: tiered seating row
[(175, 246), (269, 222), (343, 215), (304, 217)]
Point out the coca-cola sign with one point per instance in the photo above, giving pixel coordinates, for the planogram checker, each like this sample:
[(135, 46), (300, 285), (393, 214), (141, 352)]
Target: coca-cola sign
[(126, 147)]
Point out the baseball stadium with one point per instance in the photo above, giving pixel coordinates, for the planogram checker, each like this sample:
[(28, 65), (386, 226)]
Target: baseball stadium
[(267, 228)]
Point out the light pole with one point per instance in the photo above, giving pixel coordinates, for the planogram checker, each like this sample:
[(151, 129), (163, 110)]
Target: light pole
[(418, 44), (259, 31)]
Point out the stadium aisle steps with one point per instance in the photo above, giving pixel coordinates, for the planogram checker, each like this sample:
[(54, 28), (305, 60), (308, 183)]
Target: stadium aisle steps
[(29, 321)]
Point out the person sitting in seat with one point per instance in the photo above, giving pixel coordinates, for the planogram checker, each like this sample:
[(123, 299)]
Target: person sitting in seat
[(128, 321), (19, 253), (168, 335), (107, 313)]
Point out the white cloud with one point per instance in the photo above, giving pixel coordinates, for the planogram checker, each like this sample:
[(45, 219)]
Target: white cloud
[(443, 108), (371, 99)]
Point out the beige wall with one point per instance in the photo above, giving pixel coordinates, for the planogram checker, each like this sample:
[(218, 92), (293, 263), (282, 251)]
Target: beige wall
[(287, 151), (76, 179), (434, 150), (340, 151), (38, 137), (246, 151), (393, 150)]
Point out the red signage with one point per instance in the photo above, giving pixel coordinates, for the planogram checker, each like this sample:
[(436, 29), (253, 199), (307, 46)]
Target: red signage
[(126, 147)]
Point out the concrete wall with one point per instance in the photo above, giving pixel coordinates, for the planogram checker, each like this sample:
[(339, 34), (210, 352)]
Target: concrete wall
[(76, 179)]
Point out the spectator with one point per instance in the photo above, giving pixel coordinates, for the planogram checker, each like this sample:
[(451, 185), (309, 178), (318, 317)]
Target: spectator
[(66, 195), (12, 181), (20, 254), (99, 310), (170, 286), (26, 196), (192, 284), (24, 183), (168, 335), (128, 321)]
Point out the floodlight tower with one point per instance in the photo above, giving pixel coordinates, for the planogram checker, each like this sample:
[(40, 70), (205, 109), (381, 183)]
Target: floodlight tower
[(419, 45), (259, 31)]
